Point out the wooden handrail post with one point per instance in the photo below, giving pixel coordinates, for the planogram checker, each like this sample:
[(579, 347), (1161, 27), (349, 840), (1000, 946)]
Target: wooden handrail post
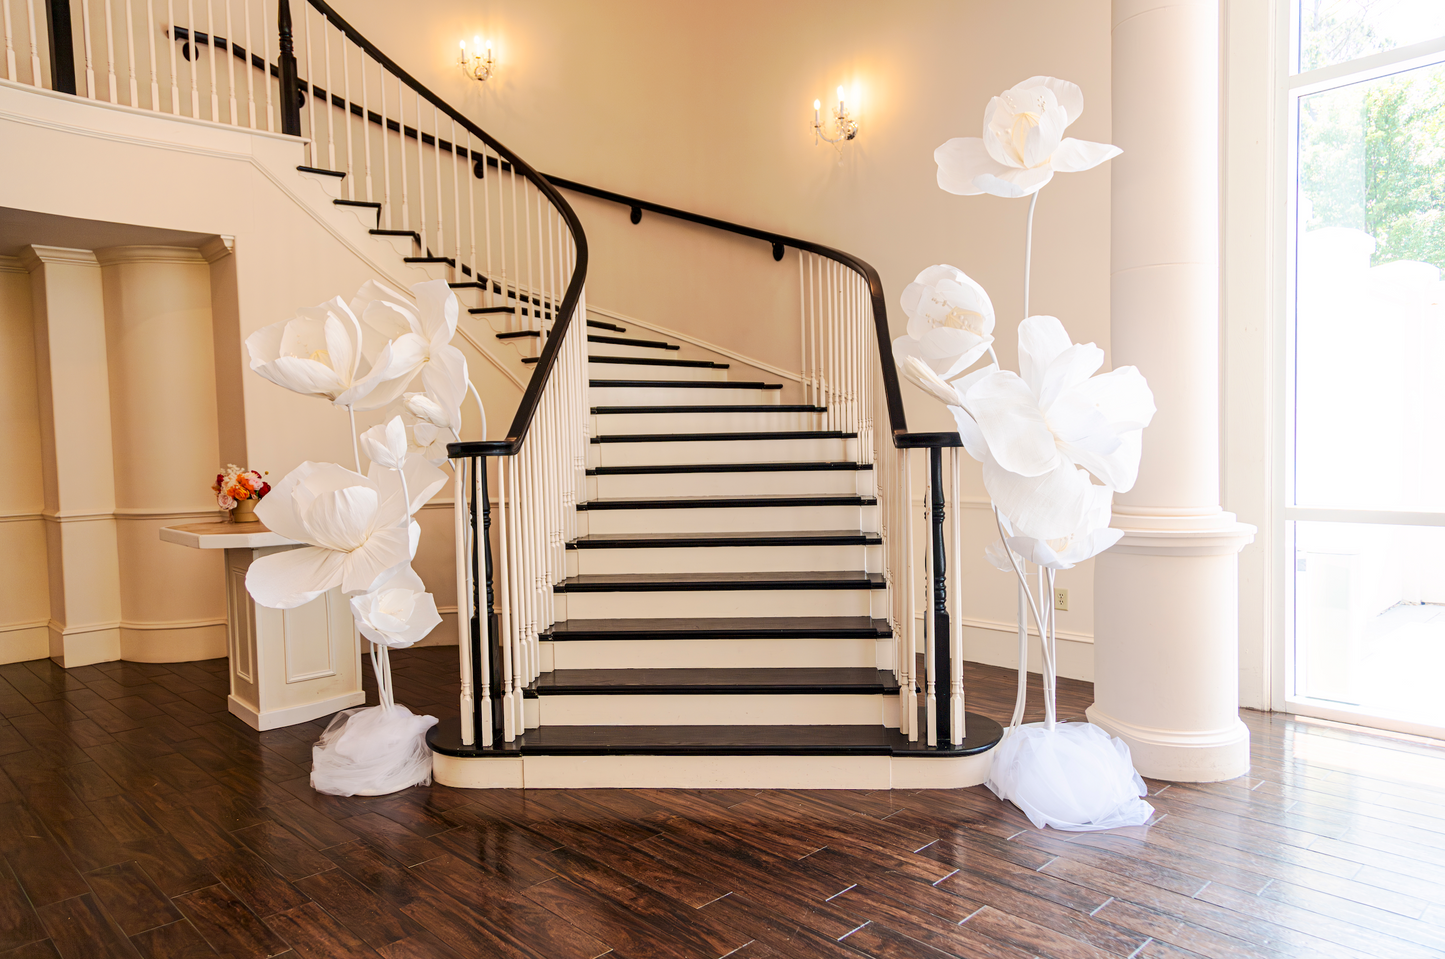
[(286, 66), (942, 667)]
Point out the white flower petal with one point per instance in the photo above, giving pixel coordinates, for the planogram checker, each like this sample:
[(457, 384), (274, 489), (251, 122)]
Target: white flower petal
[(918, 373), (1041, 340), (1070, 98), (1122, 396), (997, 555), (969, 432), (341, 519), (1076, 156), (437, 309), (961, 161), (1069, 369), (1118, 468), (1049, 506), (384, 551), (1013, 424), (1012, 184), (293, 577)]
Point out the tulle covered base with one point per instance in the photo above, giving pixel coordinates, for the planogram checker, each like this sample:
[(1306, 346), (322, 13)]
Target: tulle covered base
[(1075, 777), (372, 751)]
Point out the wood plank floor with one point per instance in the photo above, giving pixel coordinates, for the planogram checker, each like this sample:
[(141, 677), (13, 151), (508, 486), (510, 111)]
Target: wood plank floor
[(138, 818)]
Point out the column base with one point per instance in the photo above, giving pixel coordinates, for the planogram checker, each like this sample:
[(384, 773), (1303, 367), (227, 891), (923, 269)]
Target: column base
[(1180, 756)]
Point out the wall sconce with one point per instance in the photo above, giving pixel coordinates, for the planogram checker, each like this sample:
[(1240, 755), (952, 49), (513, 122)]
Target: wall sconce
[(844, 126), (477, 66)]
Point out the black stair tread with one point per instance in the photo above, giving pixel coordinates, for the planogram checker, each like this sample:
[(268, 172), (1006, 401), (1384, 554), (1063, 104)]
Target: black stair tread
[(722, 627), (339, 174), (416, 237), (600, 325), (629, 341), (514, 334), (728, 468), (813, 679), (687, 384), (714, 408), (369, 204), (719, 582), (429, 259), (840, 537), (724, 437), (872, 740), (657, 361), (730, 502)]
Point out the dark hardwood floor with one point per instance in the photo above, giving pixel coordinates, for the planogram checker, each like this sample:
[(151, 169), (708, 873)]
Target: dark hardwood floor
[(138, 818)]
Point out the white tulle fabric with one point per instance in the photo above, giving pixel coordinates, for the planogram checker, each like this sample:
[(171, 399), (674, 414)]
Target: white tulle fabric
[(372, 751), (1074, 777)]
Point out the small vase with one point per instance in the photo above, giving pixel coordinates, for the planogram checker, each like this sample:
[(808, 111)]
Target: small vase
[(244, 511)]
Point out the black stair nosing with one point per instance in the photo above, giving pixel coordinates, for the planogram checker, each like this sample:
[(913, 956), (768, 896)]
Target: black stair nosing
[(685, 384), (415, 236), (369, 204), (981, 735), (629, 341), (781, 681), (429, 259), (731, 502), (822, 580), (600, 325), (720, 627), (657, 361), (812, 467), (713, 408), (516, 334), (724, 437), (339, 174), (730, 538)]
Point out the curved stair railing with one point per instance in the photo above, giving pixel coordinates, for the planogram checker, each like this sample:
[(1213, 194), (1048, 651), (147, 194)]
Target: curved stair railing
[(471, 209)]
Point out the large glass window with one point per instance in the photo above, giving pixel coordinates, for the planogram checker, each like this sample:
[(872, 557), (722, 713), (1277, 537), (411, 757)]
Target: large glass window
[(1365, 490)]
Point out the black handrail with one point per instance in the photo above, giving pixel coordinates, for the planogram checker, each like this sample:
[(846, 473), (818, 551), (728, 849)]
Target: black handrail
[(892, 395), (532, 396)]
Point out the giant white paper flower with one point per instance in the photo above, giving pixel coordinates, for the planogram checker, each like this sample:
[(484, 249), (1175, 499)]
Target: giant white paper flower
[(318, 353), (430, 443), (397, 613), (1092, 537), (359, 534), (1023, 143), (950, 321), (1057, 412), (419, 334)]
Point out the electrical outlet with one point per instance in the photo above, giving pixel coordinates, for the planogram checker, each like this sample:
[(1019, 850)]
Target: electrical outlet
[(1061, 599)]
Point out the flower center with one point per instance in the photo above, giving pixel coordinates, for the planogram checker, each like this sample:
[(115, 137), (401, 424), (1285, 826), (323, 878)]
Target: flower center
[(960, 319), (1023, 123), (320, 356)]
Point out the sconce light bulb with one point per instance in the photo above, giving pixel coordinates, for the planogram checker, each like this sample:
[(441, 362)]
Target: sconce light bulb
[(464, 45), (817, 104)]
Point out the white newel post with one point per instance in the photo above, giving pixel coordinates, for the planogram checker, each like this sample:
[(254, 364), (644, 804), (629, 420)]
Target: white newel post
[(1166, 628)]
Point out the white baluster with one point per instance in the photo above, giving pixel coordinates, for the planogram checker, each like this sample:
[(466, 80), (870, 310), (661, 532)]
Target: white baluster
[(248, 68), (366, 129), (311, 88), (89, 53), (955, 589), (910, 584), (10, 68), (457, 163), (436, 121), (211, 56), (175, 72), (266, 70), (194, 59), (504, 635), (151, 47), (472, 206), (110, 52), (231, 66), (490, 298), (420, 180), (330, 96), (461, 529), (401, 152), (346, 115), (130, 54), (516, 257)]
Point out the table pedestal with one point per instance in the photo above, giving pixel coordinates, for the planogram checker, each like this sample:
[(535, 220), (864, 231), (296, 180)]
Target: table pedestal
[(287, 666)]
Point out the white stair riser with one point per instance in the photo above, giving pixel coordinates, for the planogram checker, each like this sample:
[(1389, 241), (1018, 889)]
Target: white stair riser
[(776, 709), (670, 395), (619, 349), (716, 653), (723, 559), (677, 604), (722, 451), (752, 421), (780, 483), (647, 371), (708, 520)]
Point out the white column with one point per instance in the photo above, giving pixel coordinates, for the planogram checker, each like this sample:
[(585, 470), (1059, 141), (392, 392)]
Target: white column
[(1166, 621)]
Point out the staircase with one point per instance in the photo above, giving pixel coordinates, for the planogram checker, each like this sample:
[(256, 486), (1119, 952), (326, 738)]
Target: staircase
[(724, 617)]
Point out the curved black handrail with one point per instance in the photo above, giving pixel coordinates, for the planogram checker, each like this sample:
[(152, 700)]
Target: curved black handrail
[(892, 395), (532, 396)]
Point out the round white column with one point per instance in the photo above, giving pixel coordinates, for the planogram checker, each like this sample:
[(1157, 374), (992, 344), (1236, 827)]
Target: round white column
[(1166, 597)]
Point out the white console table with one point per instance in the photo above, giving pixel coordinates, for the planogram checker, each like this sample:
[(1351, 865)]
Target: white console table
[(287, 666)]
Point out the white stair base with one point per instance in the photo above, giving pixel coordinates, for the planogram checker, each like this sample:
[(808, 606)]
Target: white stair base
[(605, 424), (741, 483), (710, 603), (710, 519), (715, 653), (712, 772), (649, 371), (723, 559), (768, 450), (702, 709), (672, 395)]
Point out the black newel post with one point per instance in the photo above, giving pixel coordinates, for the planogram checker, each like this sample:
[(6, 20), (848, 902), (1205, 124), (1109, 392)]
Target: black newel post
[(494, 624), (62, 46), (286, 67), (942, 670), (475, 631)]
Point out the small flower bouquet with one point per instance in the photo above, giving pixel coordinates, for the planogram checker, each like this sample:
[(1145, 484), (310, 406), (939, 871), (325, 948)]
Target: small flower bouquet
[(238, 490)]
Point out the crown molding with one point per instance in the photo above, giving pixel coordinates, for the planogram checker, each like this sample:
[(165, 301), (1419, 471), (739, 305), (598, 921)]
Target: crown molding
[(33, 257), (12, 264), (218, 247), (184, 255)]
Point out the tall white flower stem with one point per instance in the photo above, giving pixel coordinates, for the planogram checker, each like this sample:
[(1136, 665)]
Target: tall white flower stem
[(1023, 689), (355, 446), (1043, 631)]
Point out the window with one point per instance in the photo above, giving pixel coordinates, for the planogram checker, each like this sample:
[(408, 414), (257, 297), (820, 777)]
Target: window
[(1365, 472)]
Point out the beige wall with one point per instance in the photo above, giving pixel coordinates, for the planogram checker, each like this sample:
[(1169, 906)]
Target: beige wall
[(707, 106)]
